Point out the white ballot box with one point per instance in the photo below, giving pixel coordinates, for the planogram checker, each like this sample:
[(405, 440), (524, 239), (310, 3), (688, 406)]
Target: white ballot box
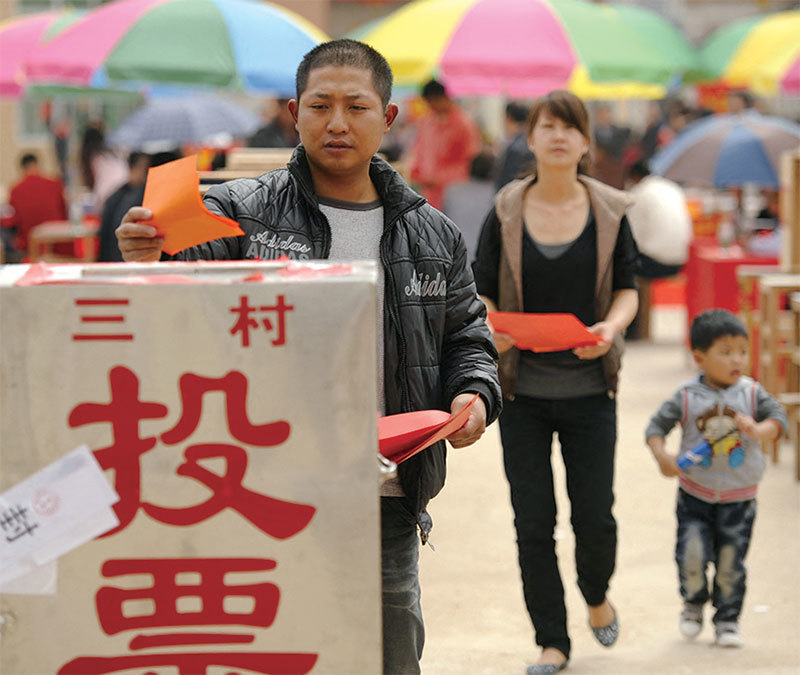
[(231, 411)]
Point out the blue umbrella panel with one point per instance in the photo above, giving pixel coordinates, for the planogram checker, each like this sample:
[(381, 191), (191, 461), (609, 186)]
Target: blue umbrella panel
[(728, 150)]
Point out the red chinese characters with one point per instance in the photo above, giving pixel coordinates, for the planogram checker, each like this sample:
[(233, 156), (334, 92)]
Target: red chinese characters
[(165, 594), (98, 329), (126, 412), (245, 321)]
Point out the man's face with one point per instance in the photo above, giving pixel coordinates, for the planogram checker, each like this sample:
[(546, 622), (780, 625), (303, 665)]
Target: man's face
[(341, 119)]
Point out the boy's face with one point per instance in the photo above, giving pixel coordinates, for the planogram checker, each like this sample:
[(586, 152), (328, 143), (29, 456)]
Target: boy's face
[(341, 119), (725, 361)]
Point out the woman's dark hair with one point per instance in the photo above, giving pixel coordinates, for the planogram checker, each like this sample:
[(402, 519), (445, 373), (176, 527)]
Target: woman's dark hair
[(347, 53), (93, 144), (712, 325), (567, 107)]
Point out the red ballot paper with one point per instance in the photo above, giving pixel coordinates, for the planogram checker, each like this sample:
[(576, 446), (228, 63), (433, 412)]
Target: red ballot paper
[(544, 332), (404, 435), (172, 193)]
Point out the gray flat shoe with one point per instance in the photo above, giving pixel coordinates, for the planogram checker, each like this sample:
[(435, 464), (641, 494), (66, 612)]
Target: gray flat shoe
[(607, 635), (545, 668)]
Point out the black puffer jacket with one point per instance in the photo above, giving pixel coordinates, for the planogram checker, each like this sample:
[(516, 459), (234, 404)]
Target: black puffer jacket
[(437, 343)]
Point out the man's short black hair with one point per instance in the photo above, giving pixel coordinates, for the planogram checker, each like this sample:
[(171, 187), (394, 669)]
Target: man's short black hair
[(159, 158), (482, 166), (433, 89), (712, 325), (346, 52), (27, 159), (517, 111)]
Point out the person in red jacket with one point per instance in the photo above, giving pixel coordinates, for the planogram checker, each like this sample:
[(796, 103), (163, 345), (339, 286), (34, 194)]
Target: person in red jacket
[(35, 199), (447, 140)]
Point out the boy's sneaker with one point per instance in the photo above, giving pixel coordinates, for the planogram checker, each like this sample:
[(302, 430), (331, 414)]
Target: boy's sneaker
[(691, 620), (728, 634)]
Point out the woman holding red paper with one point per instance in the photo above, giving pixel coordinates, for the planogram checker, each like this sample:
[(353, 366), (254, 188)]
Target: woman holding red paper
[(558, 242)]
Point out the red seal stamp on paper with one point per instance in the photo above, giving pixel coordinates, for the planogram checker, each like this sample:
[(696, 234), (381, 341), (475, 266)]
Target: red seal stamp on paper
[(45, 502)]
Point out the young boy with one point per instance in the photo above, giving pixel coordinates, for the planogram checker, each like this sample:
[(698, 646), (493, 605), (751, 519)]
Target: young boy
[(724, 414)]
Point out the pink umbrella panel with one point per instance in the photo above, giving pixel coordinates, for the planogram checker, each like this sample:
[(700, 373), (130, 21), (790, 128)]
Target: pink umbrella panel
[(20, 37)]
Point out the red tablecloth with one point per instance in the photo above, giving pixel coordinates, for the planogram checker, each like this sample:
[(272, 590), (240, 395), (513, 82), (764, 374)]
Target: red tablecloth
[(711, 276)]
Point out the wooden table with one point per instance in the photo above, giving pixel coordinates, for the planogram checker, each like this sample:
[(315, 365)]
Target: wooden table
[(44, 238), (791, 400), (772, 289), (711, 281)]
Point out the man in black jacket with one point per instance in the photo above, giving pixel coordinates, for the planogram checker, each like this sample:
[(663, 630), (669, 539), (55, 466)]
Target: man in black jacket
[(336, 199)]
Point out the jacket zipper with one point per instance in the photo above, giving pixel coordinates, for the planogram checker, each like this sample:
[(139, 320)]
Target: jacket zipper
[(405, 400)]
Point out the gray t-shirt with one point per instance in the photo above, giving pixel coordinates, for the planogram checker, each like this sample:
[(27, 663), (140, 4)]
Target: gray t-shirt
[(356, 230)]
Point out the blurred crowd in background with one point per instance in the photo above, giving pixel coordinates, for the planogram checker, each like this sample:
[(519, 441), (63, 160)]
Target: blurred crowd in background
[(443, 146), (456, 151)]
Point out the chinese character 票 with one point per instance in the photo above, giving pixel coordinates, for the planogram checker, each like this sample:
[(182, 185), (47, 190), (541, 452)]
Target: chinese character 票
[(165, 593)]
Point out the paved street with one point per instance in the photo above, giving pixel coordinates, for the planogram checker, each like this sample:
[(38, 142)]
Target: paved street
[(472, 601)]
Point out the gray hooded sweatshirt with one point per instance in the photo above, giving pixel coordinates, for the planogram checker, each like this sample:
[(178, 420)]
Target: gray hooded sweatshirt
[(706, 413)]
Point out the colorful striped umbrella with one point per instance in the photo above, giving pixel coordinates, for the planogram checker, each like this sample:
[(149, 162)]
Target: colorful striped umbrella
[(737, 52), (779, 74), (527, 47), (728, 150), (20, 36), (240, 44)]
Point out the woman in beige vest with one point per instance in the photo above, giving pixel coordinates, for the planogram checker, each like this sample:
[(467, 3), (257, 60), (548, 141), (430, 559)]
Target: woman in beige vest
[(558, 241)]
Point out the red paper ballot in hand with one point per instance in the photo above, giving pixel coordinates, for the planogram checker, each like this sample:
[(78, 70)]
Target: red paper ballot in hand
[(544, 332), (404, 435), (172, 193)]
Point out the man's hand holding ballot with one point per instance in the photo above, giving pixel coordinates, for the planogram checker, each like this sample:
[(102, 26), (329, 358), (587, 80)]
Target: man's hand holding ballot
[(172, 217), (138, 241)]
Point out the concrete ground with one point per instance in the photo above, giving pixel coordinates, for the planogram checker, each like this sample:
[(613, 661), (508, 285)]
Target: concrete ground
[(475, 618)]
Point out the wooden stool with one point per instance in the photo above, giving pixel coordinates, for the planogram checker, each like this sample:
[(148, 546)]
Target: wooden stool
[(791, 399), (775, 339)]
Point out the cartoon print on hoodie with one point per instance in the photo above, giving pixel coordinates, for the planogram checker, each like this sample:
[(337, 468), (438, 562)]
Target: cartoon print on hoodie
[(718, 427)]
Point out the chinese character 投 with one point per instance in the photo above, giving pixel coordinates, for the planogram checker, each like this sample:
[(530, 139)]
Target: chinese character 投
[(125, 412)]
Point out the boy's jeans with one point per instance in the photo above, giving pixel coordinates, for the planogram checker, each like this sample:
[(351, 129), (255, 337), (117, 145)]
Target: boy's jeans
[(718, 533), (403, 630)]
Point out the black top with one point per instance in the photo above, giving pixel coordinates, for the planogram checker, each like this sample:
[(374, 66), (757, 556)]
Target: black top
[(114, 211), (561, 284)]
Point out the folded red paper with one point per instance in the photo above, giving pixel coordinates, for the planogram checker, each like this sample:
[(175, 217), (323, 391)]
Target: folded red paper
[(544, 332), (404, 435)]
